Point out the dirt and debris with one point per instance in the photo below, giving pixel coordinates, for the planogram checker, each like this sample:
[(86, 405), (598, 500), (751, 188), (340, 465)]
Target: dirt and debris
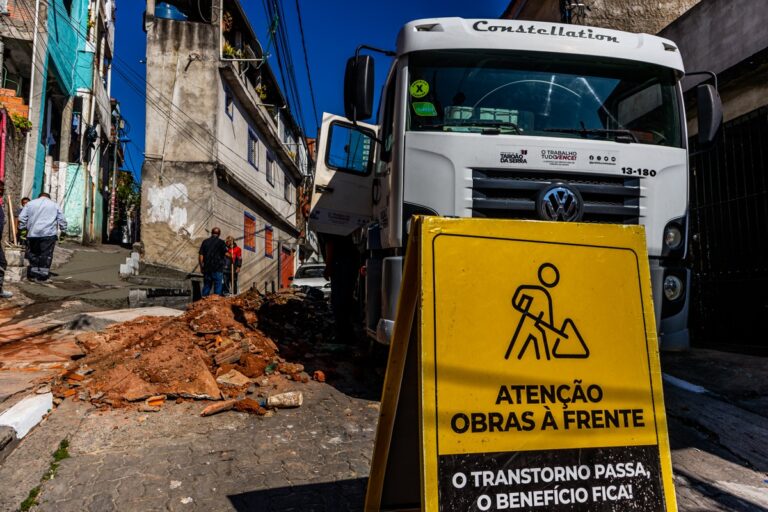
[(219, 349)]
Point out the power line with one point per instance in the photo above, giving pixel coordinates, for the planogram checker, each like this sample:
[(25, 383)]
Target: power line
[(43, 53), (284, 59), (160, 108), (163, 98), (306, 64), (184, 129)]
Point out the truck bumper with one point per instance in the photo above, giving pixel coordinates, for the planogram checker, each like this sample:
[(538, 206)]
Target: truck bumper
[(671, 316), (391, 277)]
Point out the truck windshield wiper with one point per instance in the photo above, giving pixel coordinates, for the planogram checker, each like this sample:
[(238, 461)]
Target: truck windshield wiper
[(482, 124), (623, 134)]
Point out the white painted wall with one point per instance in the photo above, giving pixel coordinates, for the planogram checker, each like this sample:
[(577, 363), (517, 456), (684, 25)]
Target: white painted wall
[(233, 152)]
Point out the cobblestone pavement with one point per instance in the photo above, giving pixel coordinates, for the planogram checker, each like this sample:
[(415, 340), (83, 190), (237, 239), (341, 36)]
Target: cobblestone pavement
[(316, 457), (312, 458)]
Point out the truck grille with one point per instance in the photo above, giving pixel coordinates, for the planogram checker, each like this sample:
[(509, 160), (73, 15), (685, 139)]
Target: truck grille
[(511, 194)]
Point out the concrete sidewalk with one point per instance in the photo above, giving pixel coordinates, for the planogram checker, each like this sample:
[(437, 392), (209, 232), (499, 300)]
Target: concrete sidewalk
[(718, 428), (316, 457), (38, 327), (90, 275)]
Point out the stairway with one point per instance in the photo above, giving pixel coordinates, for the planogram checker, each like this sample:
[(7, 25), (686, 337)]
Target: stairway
[(13, 104)]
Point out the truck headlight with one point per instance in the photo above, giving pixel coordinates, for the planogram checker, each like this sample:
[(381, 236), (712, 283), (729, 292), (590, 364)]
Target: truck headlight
[(673, 237), (673, 288)]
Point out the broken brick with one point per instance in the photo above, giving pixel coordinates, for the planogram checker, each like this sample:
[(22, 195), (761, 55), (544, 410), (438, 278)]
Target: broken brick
[(218, 407), (233, 378), (250, 406)]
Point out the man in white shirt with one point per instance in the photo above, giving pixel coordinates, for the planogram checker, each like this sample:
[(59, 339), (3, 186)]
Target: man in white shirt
[(42, 219)]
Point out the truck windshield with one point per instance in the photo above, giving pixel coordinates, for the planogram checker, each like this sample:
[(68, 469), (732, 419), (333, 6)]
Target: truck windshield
[(541, 94)]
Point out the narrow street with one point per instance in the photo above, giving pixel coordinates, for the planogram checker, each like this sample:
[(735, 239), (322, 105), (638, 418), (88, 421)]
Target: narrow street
[(437, 256), (315, 457)]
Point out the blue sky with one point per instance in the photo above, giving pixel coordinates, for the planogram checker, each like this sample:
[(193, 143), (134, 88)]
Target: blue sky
[(332, 29)]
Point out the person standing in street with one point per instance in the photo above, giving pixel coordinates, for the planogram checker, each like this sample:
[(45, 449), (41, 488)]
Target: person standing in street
[(42, 218), (211, 256), (342, 264), (3, 262), (21, 236), (232, 264)]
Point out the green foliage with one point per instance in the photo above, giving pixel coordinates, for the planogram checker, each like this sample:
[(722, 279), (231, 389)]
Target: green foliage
[(128, 193), (21, 122), (61, 453), (31, 500), (261, 90), (231, 52), (226, 22)]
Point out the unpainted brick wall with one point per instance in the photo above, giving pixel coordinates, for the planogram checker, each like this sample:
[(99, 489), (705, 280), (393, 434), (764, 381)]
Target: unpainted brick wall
[(21, 11), (636, 15)]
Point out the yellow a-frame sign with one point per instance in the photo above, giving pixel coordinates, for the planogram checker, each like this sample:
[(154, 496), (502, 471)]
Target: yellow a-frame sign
[(523, 373)]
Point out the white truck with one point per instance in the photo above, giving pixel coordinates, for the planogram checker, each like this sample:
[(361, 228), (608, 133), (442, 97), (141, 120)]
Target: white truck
[(511, 119)]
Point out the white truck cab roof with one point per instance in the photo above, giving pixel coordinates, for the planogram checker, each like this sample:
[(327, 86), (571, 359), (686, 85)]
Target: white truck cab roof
[(492, 34)]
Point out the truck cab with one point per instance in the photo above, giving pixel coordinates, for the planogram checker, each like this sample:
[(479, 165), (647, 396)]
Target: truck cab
[(508, 119)]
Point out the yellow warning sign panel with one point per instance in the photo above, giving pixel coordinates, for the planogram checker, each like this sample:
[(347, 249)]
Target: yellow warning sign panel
[(523, 372), (539, 378)]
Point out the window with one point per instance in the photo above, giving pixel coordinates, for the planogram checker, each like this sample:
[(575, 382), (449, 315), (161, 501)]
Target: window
[(310, 271), (229, 104), (268, 237), (388, 123), (271, 169), (349, 149), (287, 188), (253, 149), (564, 96), (249, 232), (68, 6)]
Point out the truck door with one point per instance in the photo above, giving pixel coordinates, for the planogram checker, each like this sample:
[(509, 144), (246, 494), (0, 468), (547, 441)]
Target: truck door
[(341, 198)]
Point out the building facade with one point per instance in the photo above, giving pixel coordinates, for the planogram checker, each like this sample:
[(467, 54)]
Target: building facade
[(627, 15), (728, 184), (222, 148), (23, 32), (57, 60)]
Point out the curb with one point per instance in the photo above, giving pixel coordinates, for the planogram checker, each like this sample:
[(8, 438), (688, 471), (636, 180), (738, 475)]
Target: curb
[(8, 441), (99, 320), (17, 421)]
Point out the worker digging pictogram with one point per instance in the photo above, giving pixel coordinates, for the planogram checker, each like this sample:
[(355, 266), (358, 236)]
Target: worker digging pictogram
[(536, 327)]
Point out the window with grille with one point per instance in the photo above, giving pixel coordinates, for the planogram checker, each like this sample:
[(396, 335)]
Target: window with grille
[(271, 169), (229, 104), (249, 232), (268, 240), (287, 188), (253, 149)]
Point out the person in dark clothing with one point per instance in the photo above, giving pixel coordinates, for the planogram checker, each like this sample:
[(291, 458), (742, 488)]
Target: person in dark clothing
[(3, 262), (212, 254), (342, 262), (21, 234), (232, 264), (42, 218)]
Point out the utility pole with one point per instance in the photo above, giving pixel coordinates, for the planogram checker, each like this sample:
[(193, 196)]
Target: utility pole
[(113, 186)]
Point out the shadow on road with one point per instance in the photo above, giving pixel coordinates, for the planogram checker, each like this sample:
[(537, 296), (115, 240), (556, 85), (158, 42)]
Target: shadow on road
[(340, 496), (728, 500)]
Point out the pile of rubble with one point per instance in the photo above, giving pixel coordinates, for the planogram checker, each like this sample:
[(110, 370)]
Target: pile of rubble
[(219, 349)]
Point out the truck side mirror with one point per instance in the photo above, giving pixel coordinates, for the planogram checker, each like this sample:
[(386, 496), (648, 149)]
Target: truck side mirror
[(710, 117), (358, 88)]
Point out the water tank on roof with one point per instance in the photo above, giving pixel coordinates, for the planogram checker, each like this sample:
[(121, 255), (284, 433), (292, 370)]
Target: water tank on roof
[(169, 12)]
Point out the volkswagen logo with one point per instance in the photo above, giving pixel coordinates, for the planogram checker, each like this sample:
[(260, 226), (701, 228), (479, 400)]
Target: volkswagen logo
[(560, 202)]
